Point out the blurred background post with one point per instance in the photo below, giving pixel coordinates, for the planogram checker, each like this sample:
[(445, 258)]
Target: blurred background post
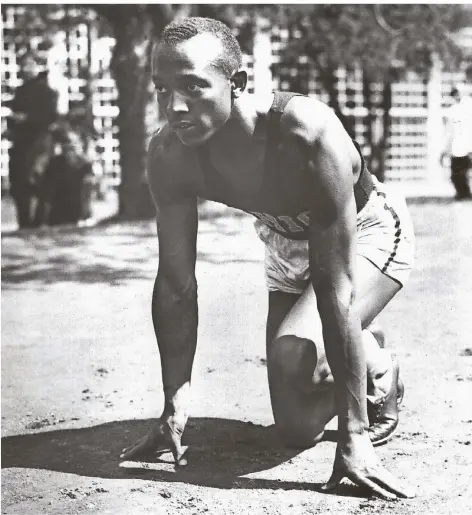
[(387, 71)]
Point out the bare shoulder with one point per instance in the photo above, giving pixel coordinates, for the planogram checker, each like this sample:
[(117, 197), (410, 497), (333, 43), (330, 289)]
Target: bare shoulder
[(316, 126), (167, 165), (312, 121), (305, 117)]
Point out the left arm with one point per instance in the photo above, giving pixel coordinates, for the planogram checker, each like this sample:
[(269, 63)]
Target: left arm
[(332, 264), (332, 252)]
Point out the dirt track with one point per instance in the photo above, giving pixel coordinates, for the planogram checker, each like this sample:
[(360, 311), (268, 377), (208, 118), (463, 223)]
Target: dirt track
[(81, 379)]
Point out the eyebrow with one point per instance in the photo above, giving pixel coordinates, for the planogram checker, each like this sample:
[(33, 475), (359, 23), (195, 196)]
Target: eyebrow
[(182, 75)]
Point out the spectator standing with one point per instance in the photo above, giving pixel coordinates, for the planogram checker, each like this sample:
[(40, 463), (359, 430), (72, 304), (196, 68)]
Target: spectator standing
[(65, 188), (459, 142), (34, 110)]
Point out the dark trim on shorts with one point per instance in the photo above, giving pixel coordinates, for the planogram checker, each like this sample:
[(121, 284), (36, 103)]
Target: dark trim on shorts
[(398, 231)]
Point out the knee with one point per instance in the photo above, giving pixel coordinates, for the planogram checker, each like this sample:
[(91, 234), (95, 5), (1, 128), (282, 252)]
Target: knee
[(295, 361), (298, 437), (377, 333)]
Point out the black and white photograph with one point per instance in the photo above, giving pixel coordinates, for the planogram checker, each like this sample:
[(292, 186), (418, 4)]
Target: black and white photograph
[(236, 259)]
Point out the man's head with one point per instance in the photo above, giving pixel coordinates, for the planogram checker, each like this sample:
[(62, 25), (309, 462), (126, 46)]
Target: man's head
[(456, 94), (70, 143), (196, 71)]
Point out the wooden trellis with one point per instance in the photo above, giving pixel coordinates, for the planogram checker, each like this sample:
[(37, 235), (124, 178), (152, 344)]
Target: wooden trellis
[(78, 66), (417, 106)]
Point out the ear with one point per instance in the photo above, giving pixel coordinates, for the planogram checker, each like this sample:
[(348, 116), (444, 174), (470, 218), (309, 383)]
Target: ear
[(238, 83)]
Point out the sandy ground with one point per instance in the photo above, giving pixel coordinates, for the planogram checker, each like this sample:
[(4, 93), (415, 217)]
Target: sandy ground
[(81, 379)]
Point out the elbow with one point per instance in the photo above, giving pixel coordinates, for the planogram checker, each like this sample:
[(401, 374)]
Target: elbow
[(176, 290), (335, 296)]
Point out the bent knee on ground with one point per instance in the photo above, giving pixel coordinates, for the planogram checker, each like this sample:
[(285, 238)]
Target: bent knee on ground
[(300, 418), (301, 391), (295, 361), (299, 437)]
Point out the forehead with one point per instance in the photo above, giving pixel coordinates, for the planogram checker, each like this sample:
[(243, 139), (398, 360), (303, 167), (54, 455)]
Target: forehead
[(196, 54)]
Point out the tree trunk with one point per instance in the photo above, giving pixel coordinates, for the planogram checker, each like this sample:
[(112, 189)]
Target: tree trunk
[(369, 120), (132, 77), (328, 79), (386, 122)]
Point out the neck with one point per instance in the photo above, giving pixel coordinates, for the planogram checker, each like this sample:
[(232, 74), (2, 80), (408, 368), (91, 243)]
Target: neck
[(240, 127)]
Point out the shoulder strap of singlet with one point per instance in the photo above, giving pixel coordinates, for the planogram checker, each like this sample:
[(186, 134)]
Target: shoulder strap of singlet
[(364, 186), (213, 179), (281, 99)]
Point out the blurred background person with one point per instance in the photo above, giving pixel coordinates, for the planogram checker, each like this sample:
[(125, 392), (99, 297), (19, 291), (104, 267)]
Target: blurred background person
[(458, 148), (68, 183), (34, 111)]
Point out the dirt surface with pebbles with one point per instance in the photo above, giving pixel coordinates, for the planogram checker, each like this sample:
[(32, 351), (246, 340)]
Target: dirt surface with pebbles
[(81, 378)]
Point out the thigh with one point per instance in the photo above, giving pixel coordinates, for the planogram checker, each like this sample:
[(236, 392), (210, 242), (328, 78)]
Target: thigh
[(280, 304), (374, 290)]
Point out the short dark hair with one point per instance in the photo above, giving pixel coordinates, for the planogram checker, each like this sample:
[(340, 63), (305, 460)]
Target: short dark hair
[(178, 31)]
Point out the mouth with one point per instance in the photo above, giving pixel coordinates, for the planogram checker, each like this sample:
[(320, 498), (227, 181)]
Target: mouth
[(182, 126)]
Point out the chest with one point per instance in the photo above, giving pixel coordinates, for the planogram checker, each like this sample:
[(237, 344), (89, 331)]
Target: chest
[(262, 178)]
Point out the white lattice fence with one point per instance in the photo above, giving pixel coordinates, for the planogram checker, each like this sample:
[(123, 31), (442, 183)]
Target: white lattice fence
[(408, 142), (79, 70), (10, 77), (407, 150)]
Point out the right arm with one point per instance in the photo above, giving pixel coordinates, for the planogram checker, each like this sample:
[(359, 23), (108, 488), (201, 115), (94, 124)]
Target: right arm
[(174, 300)]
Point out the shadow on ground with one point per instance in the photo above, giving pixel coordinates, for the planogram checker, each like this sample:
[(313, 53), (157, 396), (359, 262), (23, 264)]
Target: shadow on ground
[(221, 452), (110, 253)]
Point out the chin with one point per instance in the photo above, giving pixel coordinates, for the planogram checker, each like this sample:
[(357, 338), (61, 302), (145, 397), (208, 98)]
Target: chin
[(194, 140)]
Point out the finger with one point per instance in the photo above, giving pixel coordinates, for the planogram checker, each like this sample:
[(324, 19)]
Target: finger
[(376, 489), (128, 451), (389, 482), (177, 450), (144, 446), (336, 477)]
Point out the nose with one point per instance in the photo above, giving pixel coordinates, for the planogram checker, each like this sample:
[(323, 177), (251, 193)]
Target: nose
[(177, 103)]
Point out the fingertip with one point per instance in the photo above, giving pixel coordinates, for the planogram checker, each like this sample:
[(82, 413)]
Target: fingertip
[(385, 495), (327, 487), (409, 494)]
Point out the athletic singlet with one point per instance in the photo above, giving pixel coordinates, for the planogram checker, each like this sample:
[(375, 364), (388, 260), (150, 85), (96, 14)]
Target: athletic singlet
[(282, 199)]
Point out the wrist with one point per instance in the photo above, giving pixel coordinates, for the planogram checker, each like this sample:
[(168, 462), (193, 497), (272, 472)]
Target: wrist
[(347, 437), (351, 429)]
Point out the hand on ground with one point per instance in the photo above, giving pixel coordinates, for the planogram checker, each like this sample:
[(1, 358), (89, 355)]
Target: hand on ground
[(166, 434), (356, 460)]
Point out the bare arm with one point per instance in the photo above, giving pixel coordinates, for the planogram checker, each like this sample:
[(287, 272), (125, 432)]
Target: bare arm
[(332, 262), (174, 305), (174, 302), (332, 250)]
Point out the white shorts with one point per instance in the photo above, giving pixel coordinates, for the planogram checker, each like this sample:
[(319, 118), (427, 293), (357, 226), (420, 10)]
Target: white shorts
[(385, 237)]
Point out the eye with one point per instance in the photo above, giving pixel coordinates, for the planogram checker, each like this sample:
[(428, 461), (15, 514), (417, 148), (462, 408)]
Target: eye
[(159, 88), (193, 87)]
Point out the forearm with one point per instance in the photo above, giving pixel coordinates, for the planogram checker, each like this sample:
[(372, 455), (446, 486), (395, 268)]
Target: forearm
[(342, 335), (175, 319)]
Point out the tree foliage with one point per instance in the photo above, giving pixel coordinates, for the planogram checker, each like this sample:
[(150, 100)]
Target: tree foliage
[(376, 37), (382, 39), (135, 27)]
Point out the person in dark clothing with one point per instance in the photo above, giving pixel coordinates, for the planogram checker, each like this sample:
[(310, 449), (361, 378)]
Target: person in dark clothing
[(63, 184), (34, 110)]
